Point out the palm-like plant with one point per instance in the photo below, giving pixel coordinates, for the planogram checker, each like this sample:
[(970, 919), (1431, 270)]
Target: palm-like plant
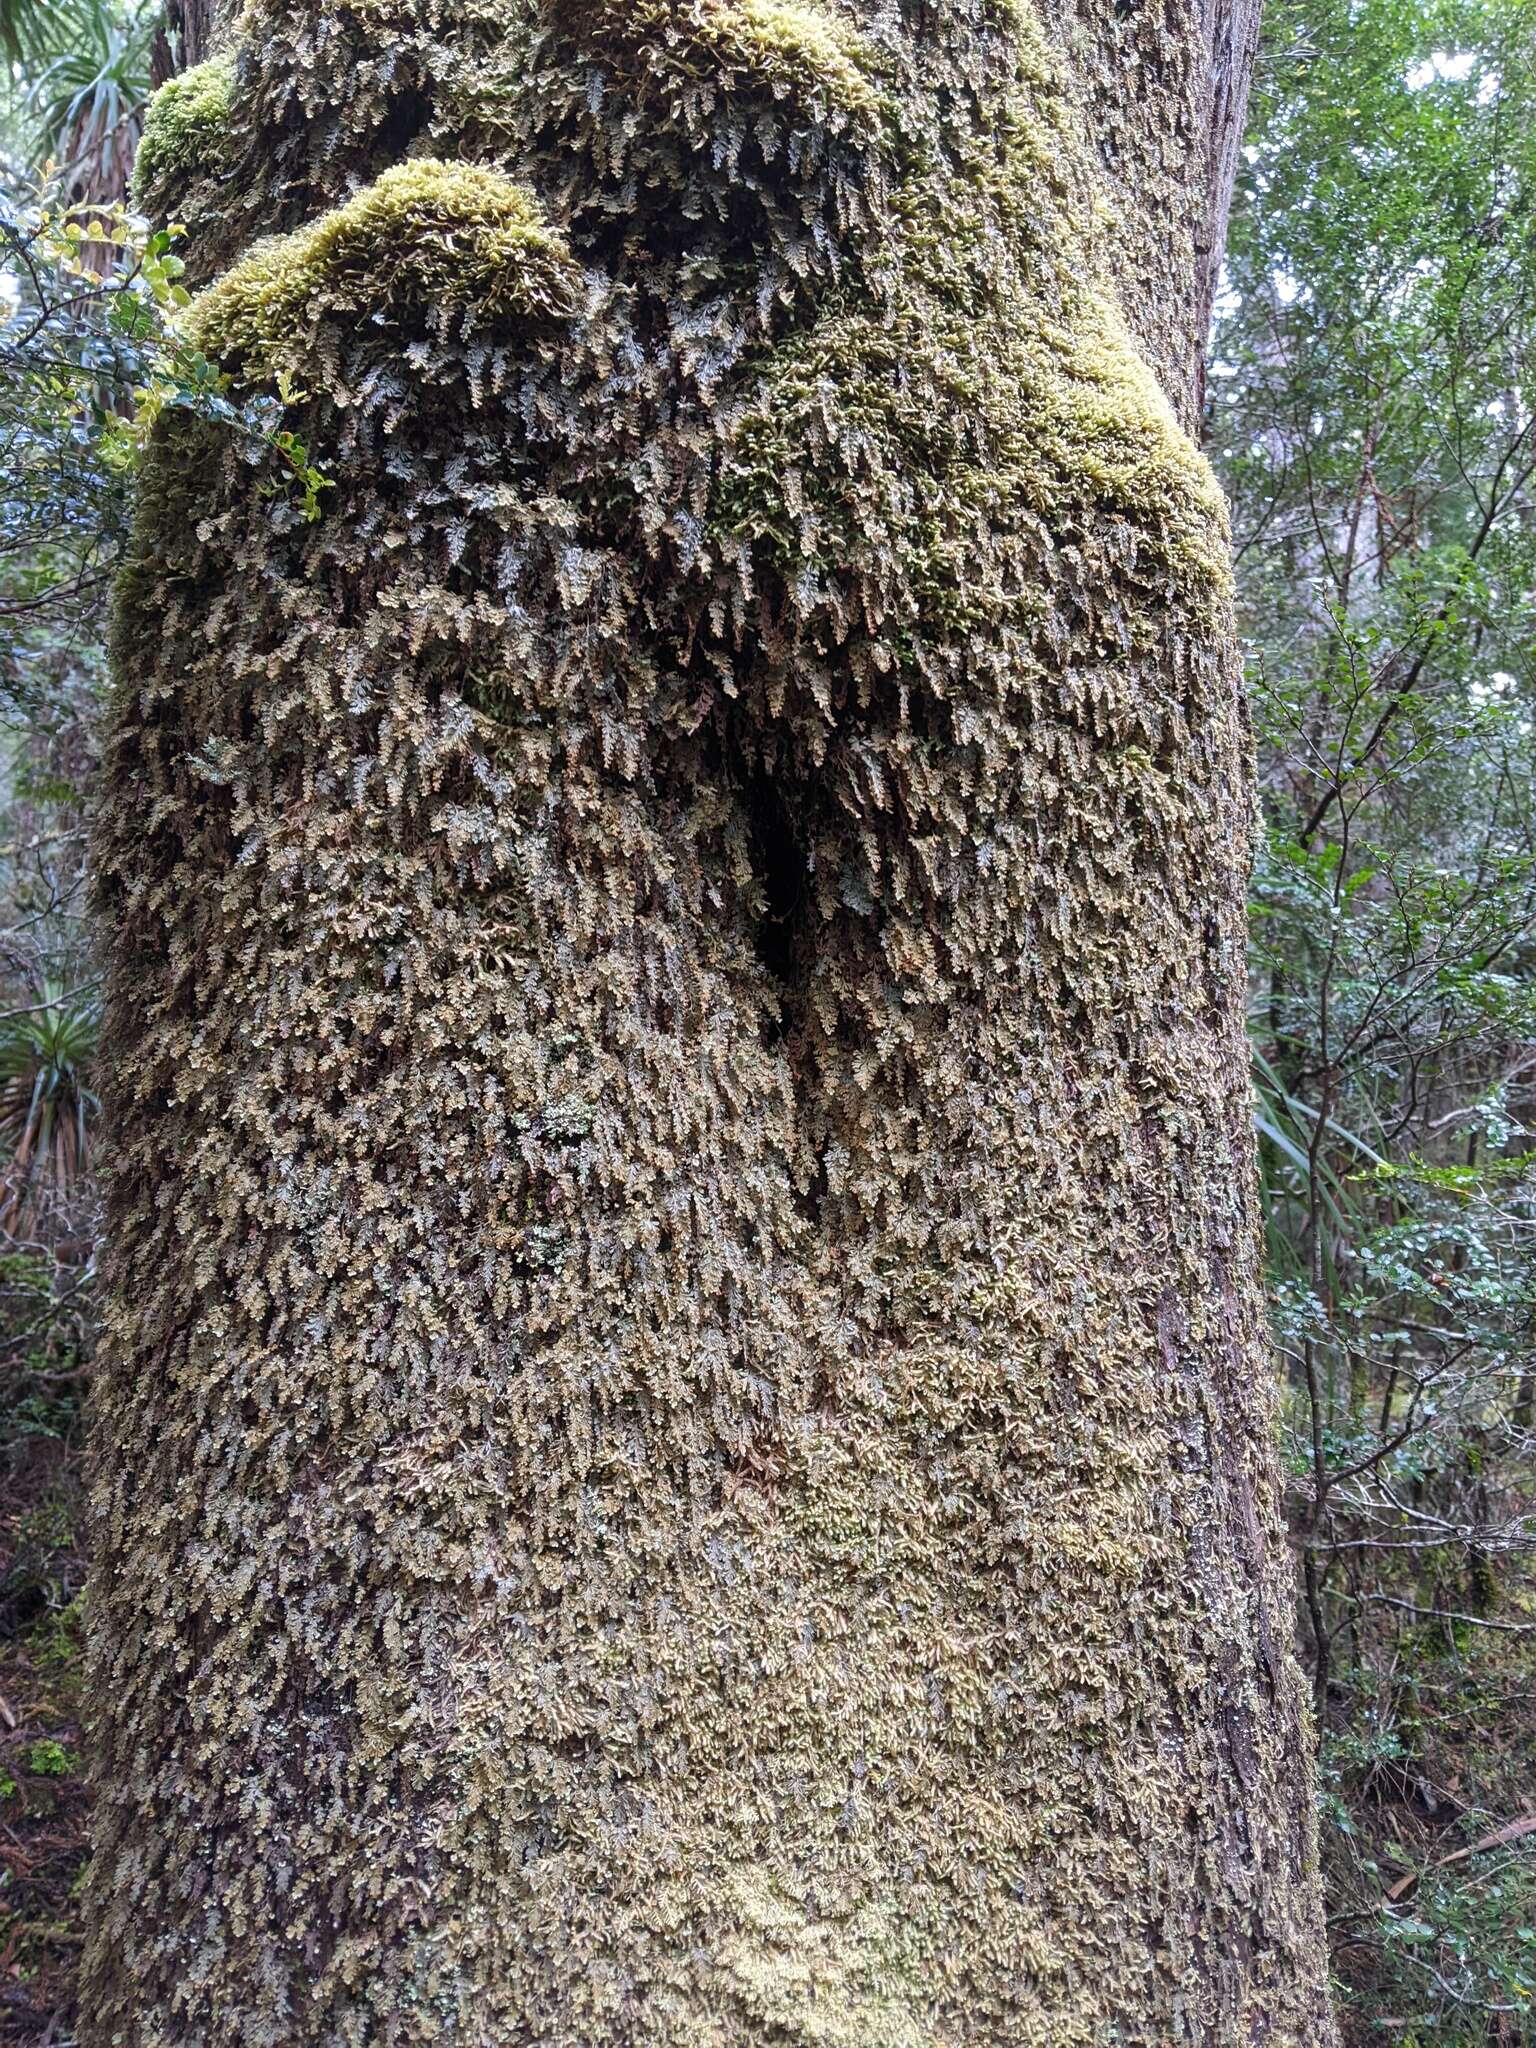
[(1309, 1163), (23, 28), (48, 1107), (81, 76), (86, 102)]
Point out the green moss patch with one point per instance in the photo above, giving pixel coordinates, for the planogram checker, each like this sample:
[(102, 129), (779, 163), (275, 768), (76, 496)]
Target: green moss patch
[(794, 48), (187, 121), (460, 242)]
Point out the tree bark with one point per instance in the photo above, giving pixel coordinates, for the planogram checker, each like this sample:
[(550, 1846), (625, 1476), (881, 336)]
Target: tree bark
[(183, 38), (685, 1425)]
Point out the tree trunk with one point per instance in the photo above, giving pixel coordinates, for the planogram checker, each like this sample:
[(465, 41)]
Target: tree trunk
[(183, 37), (685, 1432)]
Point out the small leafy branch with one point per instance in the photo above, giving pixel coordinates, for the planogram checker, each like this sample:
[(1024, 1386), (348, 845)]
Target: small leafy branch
[(95, 349)]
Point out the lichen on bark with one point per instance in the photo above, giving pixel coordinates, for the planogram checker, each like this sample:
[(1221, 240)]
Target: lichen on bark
[(684, 1447)]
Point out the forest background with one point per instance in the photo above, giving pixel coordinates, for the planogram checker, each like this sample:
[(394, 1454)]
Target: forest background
[(1371, 409)]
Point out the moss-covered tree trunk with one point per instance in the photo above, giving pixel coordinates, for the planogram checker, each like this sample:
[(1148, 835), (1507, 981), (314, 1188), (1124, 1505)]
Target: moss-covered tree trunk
[(685, 1446)]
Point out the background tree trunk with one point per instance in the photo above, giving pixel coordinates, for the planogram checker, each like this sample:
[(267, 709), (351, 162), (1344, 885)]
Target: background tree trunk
[(1231, 33), (685, 1433), (183, 38)]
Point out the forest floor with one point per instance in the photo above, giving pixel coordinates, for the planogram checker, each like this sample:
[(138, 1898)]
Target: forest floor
[(43, 1798)]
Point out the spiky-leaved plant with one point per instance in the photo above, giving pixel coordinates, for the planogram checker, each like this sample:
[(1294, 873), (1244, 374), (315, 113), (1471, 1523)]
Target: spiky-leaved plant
[(684, 1447), (48, 1105)]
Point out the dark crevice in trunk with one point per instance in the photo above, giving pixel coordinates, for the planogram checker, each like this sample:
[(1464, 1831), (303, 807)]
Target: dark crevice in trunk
[(776, 826), (409, 117), (777, 813)]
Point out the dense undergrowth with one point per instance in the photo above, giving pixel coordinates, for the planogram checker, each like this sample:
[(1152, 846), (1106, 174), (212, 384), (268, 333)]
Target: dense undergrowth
[(1371, 411)]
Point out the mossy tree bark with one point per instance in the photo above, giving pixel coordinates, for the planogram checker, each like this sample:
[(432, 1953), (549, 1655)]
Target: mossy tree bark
[(684, 1435)]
